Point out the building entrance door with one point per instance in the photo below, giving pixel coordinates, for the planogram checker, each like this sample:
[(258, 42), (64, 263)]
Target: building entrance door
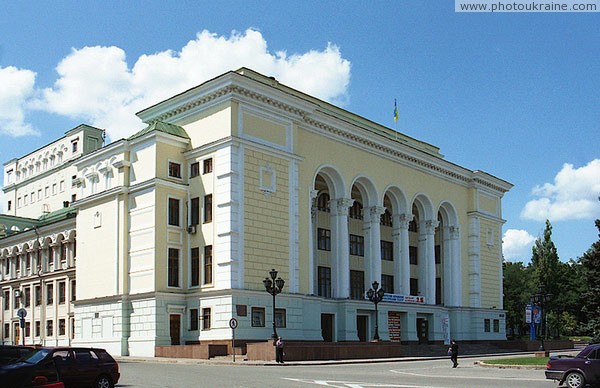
[(327, 327), (175, 328), (423, 330), (361, 327)]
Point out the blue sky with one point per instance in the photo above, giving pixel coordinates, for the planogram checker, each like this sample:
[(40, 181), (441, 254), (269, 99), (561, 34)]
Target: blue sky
[(514, 94)]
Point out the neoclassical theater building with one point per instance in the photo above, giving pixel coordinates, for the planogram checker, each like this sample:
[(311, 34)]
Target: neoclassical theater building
[(163, 237)]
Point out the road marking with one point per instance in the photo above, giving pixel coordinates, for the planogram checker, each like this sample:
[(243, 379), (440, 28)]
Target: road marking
[(354, 384), (466, 377)]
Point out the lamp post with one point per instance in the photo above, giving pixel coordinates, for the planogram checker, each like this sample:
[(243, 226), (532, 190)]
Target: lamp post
[(540, 299), (375, 295), (274, 286)]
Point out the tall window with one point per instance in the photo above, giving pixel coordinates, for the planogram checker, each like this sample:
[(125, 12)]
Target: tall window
[(195, 211), (208, 199), (173, 268), (195, 267), (62, 327), (50, 328), (173, 212), (357, 245), (324, 239), (207, 166), (37, 294), (27, 296), (258, 317), (174, 170), (208, 264), (438, 254), (324, 282), (280, 318), (49, 294), (194, 169), (357, 285), (387, 283), (387, 250), (6, 300), (73, 290), (37, 329), (413, 255), (414, 286), (206, 318), (193, 319), (486, 325), (62, 292)]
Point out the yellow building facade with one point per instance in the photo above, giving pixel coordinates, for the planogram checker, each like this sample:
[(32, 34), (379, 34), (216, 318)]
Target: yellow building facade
[(178, 226)]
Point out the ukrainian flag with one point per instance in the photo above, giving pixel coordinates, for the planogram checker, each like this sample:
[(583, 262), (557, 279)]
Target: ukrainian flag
[(395, 111)]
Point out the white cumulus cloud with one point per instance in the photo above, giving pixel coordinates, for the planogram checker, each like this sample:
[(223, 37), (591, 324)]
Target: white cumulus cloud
[(96, 84), (573, 195), (516, 244), (16, 90)]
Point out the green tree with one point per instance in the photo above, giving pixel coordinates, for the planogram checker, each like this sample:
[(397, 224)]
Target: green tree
[(545, 262), (517, 291), (591, 264)]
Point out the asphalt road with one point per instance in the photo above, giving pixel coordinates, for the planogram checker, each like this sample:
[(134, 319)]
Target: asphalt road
[(409, 374)]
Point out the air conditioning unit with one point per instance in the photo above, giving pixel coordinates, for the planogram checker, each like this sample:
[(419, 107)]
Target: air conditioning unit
[(191, 229)]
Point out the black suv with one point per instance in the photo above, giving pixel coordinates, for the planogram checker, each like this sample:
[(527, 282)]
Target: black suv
[(11, 353), (86, 367)]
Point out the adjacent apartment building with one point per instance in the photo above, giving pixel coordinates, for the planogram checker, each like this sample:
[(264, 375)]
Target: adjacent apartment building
[(163, 237)]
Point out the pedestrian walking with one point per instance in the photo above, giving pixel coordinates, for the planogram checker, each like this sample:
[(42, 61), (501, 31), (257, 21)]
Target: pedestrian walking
[(453, 353), (279, 350)]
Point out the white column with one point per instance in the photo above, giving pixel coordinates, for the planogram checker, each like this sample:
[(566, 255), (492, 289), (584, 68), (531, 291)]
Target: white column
[(428, 244), (312, 243), (340, 249), (372, 235), (456, 260), (401, 255)]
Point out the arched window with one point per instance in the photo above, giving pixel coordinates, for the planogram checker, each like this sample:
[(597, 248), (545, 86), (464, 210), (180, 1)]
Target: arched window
[(356, 211), (386, 218), (323, 202)]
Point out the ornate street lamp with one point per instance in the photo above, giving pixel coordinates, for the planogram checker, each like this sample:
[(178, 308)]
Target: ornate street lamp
[(540, 299), (375, 295), (274, 286)]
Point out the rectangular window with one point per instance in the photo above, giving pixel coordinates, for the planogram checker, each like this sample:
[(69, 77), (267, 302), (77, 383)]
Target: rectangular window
[(387, 250), (9, 205), (62, 327), (6, 300), (206, 318), (496, 326), (208, 264), (74, 144), (486, 325), (50, 328), (173, 267), (174, 170), (27, 296), (208, 208), (195, 211), (7, 330), (413, 255), (27, 329), (357, 285), (37, 294), (258, 317), (387, 283), (73, 290), (195, 267), (438, 254), (324, 239), (357, 245), (193, 319), (280, 318), (49, 294), (194, 169), (324, 281), (207, 166), (438, 291), (173, 212), (414, 286), (62, 292), (38, 328)]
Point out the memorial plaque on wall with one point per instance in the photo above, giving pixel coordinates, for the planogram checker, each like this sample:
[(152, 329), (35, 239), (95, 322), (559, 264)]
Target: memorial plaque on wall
[(394, 326)]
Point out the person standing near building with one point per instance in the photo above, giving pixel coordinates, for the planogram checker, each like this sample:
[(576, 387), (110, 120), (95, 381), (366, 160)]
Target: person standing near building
[(279, 350), (453, 353)]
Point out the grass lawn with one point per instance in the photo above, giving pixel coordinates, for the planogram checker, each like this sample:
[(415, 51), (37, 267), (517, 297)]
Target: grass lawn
[(519, 361)]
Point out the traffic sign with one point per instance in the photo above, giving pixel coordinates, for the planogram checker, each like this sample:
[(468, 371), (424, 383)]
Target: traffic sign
[(233, 323), (22, 313)]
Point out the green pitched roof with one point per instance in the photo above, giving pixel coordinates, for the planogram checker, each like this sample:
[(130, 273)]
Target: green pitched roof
[(58, 215), (160, 126)]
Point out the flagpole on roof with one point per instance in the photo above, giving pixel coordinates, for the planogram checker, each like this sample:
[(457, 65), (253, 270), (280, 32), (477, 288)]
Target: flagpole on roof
[(395, 117)]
